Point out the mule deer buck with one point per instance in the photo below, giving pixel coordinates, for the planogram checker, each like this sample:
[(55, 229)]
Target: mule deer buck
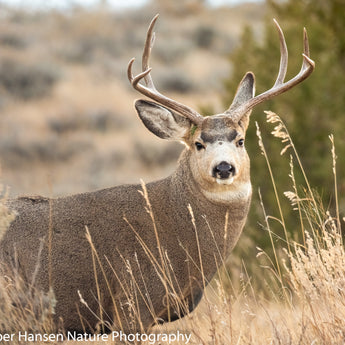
[(147, 248)]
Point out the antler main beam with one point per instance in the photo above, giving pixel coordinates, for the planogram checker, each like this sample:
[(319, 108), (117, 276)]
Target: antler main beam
[(149, 88), (280, 86)]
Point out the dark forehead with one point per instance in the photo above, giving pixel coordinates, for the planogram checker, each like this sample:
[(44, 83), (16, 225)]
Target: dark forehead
[(218, 128)]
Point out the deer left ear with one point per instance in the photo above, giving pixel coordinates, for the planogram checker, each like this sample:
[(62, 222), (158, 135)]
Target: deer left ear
[(245, 91)]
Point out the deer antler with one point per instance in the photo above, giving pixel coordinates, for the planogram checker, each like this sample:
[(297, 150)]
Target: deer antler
[(149, 90), (280, 86)]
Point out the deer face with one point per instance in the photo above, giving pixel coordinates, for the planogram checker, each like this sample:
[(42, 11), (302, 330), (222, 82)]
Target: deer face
[(218, 152), (217, 156)]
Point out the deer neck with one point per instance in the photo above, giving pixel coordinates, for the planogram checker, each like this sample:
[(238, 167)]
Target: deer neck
[(210, 209)]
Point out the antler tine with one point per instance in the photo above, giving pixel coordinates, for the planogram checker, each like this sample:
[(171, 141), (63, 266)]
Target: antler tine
[(149, 90), (150, 39), (305, 43), (283, 56), (307, 61), (280, 86)]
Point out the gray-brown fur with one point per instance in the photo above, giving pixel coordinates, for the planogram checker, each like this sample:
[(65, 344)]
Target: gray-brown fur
[(102, 212), (212, 176)]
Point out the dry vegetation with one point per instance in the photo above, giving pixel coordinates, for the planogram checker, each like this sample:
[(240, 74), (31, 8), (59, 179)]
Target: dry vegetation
[(67, 125)]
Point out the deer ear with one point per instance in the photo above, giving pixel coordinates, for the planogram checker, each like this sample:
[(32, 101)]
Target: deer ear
[(245, 91), (162, 122)]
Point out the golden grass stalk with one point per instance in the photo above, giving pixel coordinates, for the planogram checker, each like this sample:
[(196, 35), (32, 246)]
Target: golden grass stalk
[(280, 131), (6, 216), (21, 305), (281, 220)]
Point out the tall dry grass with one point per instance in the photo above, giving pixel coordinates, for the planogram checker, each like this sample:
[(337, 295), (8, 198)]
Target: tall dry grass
[(303, 301), (22, 306)]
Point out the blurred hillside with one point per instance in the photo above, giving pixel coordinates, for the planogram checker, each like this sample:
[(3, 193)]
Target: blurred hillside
[(67, 120)]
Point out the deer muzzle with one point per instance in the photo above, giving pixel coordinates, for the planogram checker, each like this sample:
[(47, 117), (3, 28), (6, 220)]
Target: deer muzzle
[(224, 171)]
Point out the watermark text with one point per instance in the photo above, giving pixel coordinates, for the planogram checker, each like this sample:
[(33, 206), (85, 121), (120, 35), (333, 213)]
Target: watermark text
[(150, 338)]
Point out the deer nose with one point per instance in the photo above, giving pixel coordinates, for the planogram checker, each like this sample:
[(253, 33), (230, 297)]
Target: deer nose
[(223, 170)]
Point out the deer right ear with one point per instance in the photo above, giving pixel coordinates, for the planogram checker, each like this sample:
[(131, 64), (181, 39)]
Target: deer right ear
[(162, 122)]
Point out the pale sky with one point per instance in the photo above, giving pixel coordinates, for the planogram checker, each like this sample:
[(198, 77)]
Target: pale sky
[(44, 4)]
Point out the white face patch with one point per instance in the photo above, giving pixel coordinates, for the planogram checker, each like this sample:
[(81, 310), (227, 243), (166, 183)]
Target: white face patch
[(219, 161), (222, 151), (240, 192), (227, 181)]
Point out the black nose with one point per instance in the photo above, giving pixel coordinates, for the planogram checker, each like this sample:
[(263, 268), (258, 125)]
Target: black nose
[(223, 170)]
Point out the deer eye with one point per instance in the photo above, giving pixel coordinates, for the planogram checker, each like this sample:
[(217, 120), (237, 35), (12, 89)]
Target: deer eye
[(199, 146), (240, 142)]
